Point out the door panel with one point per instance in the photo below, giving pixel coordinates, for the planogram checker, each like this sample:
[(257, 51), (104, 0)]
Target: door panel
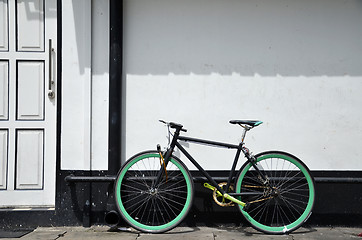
[(3, 25), (3, 158), (4, 79), (29, 159), (30, 25), (30, 87)]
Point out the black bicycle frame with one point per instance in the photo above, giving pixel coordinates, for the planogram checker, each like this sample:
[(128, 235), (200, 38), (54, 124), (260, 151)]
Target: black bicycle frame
[(240, 148)]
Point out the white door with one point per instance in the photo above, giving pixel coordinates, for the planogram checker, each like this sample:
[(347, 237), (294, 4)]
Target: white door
[(27, 103)]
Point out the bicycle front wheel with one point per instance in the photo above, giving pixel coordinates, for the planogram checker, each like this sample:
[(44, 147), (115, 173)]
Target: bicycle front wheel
[(284, 201), (149, 207)]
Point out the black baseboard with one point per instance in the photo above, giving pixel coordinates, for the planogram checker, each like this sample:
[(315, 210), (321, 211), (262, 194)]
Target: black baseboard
[(86, 203)]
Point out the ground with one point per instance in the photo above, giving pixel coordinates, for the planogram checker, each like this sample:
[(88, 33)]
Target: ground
[(199, 233)]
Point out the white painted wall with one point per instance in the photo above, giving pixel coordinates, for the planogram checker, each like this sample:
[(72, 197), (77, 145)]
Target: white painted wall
[(100, 84), (296, 65), (85, 67), (76, 85)]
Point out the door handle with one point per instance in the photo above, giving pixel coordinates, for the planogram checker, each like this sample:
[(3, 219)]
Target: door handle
[(51, 84)]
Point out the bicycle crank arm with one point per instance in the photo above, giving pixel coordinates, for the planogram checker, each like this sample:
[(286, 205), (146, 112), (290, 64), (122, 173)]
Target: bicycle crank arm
[(212, 188), (227, 196)]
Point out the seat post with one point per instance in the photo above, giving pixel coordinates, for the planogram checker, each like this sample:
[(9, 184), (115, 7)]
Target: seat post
[(246, 128)]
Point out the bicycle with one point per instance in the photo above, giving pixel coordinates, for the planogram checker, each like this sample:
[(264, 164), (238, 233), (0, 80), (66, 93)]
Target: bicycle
[(274, 190)]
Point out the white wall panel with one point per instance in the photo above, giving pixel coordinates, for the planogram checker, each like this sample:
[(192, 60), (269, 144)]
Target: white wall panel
[(29, 159), (100, 84), (76, 85), (30, 25), (4, 89), (30, 86), (85, 55), (4, 29), (3, 158)]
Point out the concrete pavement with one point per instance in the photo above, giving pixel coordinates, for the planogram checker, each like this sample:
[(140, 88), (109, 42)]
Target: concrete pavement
[(199, 233)]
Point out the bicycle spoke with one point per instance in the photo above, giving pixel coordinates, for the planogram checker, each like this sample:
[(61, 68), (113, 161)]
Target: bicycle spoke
[(139, 207), (292, 191), (137, 182), (160, 211), (295, 200), (286, 181), (131, 198), (169, 206), (286, 216), (164, 207), (174, 189), (129, 186), (288, 205)]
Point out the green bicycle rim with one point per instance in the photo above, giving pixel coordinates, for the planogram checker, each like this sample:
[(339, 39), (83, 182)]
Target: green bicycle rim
[(307, 210), (147, 227)]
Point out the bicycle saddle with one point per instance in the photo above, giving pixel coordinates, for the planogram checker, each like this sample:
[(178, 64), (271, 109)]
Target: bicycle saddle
[(252, 123)]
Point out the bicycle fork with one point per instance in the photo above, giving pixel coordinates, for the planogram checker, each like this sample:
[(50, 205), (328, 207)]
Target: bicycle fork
[(164, 159)]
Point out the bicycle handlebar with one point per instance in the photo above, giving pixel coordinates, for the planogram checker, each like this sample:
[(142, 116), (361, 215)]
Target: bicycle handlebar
[(177, 126)]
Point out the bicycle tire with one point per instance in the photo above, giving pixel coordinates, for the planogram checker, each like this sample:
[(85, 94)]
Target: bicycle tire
[(156, 209), (287, 203)]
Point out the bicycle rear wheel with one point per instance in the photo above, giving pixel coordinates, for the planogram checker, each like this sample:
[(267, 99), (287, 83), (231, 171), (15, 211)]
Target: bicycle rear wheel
[(282, 204), (149, 207)]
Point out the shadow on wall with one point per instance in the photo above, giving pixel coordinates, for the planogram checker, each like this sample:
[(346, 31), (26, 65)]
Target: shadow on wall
[(268, 38)]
